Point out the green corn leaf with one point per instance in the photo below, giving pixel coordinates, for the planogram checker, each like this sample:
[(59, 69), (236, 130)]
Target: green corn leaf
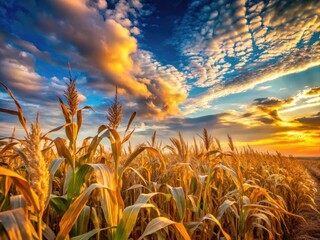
[(180, 199)]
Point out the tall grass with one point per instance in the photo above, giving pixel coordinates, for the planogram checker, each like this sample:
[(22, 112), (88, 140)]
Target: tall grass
[(178, 191)]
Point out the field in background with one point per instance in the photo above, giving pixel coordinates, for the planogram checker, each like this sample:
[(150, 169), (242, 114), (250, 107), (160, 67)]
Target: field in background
[(54, 189), (309, 229)]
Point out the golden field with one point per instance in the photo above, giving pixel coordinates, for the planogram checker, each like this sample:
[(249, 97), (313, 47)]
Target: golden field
[(64, 188)]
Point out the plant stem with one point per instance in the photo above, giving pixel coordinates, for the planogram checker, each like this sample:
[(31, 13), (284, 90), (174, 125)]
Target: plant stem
[(40, 226)]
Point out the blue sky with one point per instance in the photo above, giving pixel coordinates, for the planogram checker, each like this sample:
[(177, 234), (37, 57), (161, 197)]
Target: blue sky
[(247, 68)]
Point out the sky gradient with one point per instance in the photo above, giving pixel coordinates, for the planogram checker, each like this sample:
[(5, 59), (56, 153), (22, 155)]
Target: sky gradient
[(250, 69)]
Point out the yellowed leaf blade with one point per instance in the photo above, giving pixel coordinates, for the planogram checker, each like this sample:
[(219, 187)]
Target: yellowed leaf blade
[(21, 117), (129, 219), (109, 201), (74, 210), (16, 224), (30, 197), (183, 231), (159, 223), (130, 214), (216, 221)]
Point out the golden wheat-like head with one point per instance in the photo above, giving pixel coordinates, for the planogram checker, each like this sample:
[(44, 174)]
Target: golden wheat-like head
[(207, 139), (36, 165), (71, 94), (115, 113)]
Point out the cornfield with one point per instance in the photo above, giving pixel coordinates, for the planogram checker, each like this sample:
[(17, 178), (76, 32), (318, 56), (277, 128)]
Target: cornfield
[(66, 188)]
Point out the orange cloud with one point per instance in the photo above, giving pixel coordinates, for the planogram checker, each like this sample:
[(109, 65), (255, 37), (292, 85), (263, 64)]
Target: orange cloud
[(108, 51), (103, 46), (313, 92), (165, 83)]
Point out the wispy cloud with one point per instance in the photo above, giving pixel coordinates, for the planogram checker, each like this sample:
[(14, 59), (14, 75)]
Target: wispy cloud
[(299, 60), (233, 46), (306, 98), (262, 88)]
